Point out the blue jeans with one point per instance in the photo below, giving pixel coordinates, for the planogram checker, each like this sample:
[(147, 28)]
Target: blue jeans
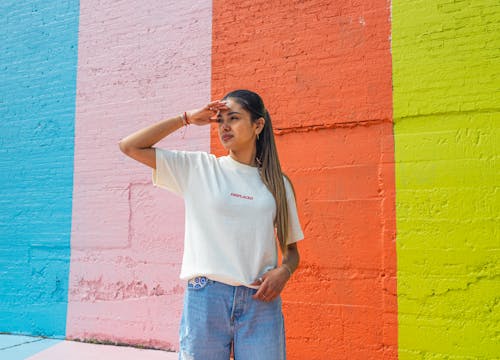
[(216, 314)]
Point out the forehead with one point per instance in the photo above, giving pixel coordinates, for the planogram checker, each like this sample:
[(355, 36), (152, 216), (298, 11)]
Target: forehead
[(233, 106)]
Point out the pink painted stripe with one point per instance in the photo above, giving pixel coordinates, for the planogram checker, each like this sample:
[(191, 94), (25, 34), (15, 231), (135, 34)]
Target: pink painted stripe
[(138, 63)]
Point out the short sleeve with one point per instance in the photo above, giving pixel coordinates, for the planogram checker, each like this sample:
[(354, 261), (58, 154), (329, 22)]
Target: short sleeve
[(173, 169), (294, 229)]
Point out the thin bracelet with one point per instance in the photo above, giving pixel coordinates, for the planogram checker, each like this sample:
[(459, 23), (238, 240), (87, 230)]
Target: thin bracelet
[(288, 268), (185, 119)]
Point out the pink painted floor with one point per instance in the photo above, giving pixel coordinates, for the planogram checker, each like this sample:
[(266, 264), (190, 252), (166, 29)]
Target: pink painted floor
[(15, 347)]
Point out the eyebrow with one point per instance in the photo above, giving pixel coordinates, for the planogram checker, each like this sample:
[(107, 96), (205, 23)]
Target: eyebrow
[(231, 113)]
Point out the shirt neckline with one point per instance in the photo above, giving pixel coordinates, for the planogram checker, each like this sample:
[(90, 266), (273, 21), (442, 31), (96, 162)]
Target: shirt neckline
[(240, 166)]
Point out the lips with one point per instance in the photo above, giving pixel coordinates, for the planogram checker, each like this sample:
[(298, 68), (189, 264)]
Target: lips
[(226, 137)]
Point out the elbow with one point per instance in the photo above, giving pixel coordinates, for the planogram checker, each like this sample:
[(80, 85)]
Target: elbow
[(124, 148)]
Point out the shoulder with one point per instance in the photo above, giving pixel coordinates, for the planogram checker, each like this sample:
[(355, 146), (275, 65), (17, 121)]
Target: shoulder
[(185, 160), (198, 155), (289, 188), (286, 180), (187, 154)]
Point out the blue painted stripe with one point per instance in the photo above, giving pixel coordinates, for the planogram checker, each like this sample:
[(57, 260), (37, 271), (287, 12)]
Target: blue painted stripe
[(38, 65)]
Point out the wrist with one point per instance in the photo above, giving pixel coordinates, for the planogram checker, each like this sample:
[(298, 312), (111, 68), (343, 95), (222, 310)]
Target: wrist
[(287, 269), (185, 118)]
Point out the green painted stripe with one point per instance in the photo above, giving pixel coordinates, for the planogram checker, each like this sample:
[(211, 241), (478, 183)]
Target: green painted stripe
[(447, 130)]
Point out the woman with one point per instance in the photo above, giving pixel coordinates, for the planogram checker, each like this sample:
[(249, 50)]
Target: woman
[(236, 207)]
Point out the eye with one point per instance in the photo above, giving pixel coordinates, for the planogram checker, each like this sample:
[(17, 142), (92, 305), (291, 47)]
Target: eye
[(219, 119)]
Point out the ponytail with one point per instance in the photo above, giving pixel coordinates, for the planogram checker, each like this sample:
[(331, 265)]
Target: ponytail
[(272, 176)]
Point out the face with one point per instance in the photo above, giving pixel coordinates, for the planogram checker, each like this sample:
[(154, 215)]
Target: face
[(236, 130)]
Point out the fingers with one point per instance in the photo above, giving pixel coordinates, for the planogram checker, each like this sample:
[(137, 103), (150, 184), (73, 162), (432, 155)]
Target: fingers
[(208, 113), (265, 292), (258, 282), (260, 294), (213, 118), (266, 296), (217, 105)]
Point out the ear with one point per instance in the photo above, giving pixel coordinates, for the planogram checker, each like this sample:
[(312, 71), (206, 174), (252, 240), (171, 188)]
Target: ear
[(260, 124)]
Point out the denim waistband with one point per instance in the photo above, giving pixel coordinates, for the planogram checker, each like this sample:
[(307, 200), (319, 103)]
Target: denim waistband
[(199, 282)]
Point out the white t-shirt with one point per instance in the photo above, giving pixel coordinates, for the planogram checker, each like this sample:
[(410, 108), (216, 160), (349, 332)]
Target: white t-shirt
[(229, 234)]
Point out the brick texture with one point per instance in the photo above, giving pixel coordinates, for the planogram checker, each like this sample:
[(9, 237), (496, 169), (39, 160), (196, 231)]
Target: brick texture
[(447, 127), (139, 63), (324, 71), (38, 57)]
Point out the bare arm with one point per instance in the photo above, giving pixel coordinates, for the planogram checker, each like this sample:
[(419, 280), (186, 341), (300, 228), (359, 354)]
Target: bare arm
[(291, 261), (139, 145)]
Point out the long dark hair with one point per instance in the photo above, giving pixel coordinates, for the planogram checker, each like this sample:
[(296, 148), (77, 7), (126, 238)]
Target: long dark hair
[(267, 159)]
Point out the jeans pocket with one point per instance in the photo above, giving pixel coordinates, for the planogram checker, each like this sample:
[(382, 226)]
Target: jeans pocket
[(198, 282)]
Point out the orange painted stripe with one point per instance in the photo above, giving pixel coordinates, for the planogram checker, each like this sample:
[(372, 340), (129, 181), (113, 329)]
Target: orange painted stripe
[(323, 69)]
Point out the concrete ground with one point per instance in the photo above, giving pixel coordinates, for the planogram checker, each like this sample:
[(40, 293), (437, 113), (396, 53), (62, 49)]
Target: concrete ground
[(19, 347)]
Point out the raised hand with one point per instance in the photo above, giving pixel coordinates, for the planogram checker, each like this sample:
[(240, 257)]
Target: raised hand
[(207, 114)]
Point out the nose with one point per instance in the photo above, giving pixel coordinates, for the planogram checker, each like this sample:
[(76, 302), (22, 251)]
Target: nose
[(225, 124)]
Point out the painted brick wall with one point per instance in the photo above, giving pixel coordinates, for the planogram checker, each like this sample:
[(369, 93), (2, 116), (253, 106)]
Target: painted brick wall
[(38, 59), (324, 70), (77, 77), (447, 128), (138, 63)]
